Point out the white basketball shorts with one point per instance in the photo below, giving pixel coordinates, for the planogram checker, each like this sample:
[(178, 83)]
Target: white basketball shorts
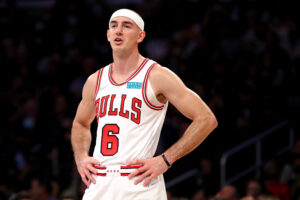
[(112, 183)]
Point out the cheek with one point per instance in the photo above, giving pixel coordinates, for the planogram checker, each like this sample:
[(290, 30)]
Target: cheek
[(108, 38), (132, 39), (108, 35)]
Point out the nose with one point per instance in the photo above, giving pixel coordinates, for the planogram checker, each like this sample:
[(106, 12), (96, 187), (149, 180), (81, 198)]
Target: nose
[(119, 30)]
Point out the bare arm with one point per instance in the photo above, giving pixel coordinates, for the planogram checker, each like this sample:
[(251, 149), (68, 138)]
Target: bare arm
[(190, 105), (81, 135), (169, 87)]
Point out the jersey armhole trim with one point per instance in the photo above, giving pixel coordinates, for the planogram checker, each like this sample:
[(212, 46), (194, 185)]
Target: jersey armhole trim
[(96, 92), (98, 83), (144, 91)]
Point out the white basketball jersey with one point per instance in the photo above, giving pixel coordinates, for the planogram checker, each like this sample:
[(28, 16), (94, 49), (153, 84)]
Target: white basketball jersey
[(129, 116)]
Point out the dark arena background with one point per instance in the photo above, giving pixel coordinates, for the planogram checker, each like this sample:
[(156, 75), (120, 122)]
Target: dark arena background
[(241, 57)]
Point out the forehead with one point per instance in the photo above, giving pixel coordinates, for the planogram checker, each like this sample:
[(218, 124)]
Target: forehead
[(121, 19)]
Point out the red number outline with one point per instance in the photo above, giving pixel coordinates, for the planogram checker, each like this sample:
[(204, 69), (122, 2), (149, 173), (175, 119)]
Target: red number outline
[(109, 137)]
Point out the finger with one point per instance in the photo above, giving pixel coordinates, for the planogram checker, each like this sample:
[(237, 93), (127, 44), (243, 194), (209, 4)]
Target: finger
[(85, 181), (92, 169), (148, 180), (95, 162), (90, 177), (137, 172), (142, 177), (134, 173)]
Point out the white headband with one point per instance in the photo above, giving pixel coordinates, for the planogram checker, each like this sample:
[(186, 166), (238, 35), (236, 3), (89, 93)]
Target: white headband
[(131, 15)]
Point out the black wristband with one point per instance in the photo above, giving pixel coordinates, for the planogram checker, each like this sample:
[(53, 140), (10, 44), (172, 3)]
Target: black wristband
[(165, 159)]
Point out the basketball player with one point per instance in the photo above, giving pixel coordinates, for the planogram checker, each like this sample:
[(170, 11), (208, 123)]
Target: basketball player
[(129, 99)]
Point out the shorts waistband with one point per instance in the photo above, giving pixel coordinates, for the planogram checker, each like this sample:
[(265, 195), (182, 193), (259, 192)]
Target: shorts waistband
[(122, 170)]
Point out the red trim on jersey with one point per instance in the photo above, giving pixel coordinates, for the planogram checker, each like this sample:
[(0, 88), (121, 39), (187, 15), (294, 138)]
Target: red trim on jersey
[(144, 90), (99, 76), (127, 174), (98, 82), (97, 108), (101, 174), (99, 167), (96, 88), (131, 166), (132, 75)]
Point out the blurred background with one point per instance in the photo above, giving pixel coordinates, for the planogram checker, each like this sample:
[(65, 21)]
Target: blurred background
[(241, 57)]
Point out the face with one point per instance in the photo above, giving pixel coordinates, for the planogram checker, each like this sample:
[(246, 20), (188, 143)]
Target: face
[(36, 189), (227, 192), (123, 34), (253, 188)]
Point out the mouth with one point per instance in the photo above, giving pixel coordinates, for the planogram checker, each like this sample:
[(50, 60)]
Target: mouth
[(118, 40)]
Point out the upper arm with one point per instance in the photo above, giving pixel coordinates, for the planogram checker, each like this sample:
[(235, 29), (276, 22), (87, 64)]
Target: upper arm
[(171, 87), (86, 109)]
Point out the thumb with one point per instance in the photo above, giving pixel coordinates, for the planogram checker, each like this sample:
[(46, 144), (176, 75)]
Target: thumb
[(95, 162)]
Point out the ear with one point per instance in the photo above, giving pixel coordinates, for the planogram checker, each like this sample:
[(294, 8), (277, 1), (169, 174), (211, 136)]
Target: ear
[(141, 36), (107, 34)]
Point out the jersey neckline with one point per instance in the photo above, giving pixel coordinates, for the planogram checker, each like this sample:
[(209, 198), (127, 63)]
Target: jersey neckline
[(130, 77)]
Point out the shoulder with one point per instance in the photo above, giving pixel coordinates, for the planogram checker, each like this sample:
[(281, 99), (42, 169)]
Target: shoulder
[(163, 75), (163, 79), (92, 79), (160, 73), (90, 85), (159, 70)]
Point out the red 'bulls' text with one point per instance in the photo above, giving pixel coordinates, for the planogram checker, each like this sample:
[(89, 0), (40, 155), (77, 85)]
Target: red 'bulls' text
[(108, 106)]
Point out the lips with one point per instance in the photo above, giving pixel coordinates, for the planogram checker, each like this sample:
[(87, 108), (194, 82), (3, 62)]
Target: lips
[(118, 40)]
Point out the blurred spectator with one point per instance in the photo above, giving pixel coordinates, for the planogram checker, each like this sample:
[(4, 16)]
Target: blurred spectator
[(41, 189), (228, 192), (207, 178), (170, 196), (291, 171), (254, 188), (267, 197), (248, 198), (201, 194), (273, 185)]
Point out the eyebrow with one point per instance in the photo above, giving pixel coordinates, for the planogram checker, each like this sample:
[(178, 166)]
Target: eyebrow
[(123, 22)]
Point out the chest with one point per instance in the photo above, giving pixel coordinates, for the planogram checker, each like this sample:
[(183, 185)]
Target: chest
[(125, 101)]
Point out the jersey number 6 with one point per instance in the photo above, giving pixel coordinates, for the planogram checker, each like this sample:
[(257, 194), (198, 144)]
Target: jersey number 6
[(110, 142)]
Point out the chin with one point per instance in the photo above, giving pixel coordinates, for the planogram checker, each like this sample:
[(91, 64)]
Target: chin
[(119, 49)]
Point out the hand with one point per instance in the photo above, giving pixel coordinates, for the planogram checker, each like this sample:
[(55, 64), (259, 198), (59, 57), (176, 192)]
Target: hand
[(152, 168), (85, 167)]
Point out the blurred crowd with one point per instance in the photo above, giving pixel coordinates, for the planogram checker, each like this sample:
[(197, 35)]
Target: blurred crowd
[(241, 57), (279, 180)]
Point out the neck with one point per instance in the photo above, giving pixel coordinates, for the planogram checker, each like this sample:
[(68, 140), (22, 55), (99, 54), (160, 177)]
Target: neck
[(125, 63)]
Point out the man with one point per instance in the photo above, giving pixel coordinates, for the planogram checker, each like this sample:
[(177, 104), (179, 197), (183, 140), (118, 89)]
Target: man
[(228, 192), (41, 189), (129, 99)]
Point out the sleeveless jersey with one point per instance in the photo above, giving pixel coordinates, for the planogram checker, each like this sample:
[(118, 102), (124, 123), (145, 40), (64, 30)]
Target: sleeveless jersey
[(129, 116)]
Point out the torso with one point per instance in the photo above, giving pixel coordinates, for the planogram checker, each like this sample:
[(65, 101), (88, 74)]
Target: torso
[(129, 116)]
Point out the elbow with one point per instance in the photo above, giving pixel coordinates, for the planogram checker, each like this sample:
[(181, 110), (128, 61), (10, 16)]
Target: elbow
[(213, 121), (210, 120), (76, 125)]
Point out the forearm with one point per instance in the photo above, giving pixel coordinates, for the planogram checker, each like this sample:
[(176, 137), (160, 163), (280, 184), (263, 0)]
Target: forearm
[(81, 140), (195, 134)]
